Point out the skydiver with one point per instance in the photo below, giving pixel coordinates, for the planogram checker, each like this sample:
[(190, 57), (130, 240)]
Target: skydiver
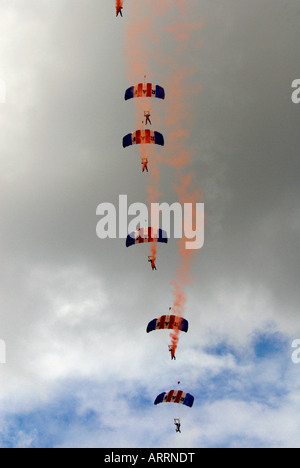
[(147, 115), (152, 261), (178, 425), (119, 10), (144, 164), (173, 357)]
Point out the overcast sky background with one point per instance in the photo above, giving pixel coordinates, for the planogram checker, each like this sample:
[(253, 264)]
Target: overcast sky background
[(81, 370)]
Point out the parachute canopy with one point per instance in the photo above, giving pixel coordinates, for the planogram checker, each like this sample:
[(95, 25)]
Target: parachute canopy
[(140, 137), (175, 396), (145, 90), (168, 322), (146, 235)]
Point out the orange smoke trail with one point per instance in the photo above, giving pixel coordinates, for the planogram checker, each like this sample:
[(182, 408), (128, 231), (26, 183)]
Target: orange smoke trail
[(183, 276), (179, 120), (154, 193), (182, 279), (119, 4)]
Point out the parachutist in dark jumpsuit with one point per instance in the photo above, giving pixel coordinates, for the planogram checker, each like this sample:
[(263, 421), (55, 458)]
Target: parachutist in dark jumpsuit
[(178, 425)]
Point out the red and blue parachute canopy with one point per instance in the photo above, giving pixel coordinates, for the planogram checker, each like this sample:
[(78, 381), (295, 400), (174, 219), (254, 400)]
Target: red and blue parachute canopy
[(175, 396), (168, 322), (143, 137), (146, 235), (145, 90)]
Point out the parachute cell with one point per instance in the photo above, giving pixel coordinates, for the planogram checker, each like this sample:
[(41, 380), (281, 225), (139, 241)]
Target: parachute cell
[(170, 322), (140, 137), (145, 90), (175, 396), (146, 235)]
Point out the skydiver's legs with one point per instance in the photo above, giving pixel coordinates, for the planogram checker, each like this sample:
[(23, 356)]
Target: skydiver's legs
[(148, 120)]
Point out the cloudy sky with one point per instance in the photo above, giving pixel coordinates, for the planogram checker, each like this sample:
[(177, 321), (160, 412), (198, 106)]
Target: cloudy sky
[(80, 369)]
